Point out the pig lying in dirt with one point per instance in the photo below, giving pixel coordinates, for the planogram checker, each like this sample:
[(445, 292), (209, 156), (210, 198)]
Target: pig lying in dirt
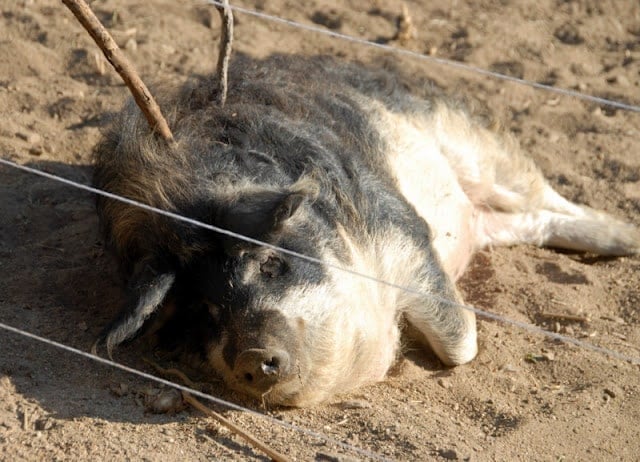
[(338, 162)]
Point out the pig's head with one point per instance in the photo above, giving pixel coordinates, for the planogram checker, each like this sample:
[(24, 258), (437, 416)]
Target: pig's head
[(288, 330), (275, 326)]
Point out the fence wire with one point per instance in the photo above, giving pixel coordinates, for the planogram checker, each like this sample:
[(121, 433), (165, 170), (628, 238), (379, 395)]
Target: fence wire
[(434, 59), (483, 313)]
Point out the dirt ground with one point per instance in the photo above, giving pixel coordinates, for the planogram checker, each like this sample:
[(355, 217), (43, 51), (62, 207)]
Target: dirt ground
[(525, 397)]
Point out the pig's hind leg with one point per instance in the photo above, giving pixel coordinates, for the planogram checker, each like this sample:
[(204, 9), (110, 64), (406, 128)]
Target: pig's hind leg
[(514, 203), (572, 227)]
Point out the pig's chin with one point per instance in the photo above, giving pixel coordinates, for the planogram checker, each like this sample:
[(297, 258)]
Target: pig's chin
[(308, 386), (294, 390), (284, 394)]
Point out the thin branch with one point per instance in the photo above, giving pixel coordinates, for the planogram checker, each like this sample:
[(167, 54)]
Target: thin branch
[(233, 427), (226, 41), (172, 372), (121, 64), (188, 398)]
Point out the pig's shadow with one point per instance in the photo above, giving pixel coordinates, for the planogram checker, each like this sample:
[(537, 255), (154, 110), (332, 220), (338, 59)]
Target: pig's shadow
[(58, 281)]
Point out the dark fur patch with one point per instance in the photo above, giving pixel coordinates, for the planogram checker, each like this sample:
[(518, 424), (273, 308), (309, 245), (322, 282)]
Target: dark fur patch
[(285, 119)]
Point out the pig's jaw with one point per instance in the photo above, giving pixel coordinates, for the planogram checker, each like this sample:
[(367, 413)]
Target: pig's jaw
[(342, 347)]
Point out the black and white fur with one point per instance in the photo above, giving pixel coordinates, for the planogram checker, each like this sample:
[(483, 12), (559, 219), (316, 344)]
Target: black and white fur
[(354, 166)]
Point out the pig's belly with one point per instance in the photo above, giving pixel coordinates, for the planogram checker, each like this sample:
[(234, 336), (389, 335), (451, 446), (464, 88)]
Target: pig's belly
[(429, 183)]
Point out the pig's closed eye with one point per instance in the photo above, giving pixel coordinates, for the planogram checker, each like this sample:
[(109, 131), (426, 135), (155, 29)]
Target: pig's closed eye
[(273, 267)]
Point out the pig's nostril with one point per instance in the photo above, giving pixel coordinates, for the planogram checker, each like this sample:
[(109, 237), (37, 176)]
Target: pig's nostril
[(261, 368), (271, 366)]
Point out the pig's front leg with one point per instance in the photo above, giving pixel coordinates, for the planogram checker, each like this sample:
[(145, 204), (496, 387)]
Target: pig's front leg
[(437, 313)]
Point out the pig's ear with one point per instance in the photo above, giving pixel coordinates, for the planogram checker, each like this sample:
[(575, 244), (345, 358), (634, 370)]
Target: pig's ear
[(262, 213), (148, 289)]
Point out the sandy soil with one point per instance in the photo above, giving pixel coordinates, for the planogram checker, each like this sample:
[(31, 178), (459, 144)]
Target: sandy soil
[(524, 398)]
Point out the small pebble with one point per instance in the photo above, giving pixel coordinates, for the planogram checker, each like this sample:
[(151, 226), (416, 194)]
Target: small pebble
[(330, 19), (549, 356), (119, 389), (449, 454), (29, 137), (7, 424), (510, 368), (613, 391), (216, 430), (43, 424), (569, 34), (167, 402), (131, 45), (621, 80), (354, 404), (326, 457)]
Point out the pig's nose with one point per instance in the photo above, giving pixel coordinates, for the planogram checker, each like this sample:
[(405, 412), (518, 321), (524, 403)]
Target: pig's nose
[(260, 369)]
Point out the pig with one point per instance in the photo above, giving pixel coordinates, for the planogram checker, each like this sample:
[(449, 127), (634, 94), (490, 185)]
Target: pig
[(356, 166)]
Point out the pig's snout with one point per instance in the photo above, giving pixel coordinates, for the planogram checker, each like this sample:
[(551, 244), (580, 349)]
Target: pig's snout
[(260, 369)]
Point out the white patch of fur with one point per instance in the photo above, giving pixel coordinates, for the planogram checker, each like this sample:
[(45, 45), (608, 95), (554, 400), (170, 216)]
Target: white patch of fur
[(351, 329), (427, 180), (351, 323)]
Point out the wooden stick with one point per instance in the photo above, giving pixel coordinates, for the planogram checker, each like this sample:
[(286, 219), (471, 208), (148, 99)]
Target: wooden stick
[(224, 56), (233, 427), (188, 398), (121, 64)]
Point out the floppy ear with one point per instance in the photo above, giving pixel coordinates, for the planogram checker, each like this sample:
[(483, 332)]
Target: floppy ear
[(147, 291), (262, 213)]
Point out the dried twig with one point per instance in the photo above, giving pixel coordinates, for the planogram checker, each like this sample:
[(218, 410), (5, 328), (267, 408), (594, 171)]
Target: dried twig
[(233, 427), (121, 64), (224, 56), (171, 372), (188, 398)]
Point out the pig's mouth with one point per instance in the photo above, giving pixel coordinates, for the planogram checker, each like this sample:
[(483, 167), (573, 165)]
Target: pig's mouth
[(275, 373), (274, 385), (260, 369), (275, 379), (264, 355)]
